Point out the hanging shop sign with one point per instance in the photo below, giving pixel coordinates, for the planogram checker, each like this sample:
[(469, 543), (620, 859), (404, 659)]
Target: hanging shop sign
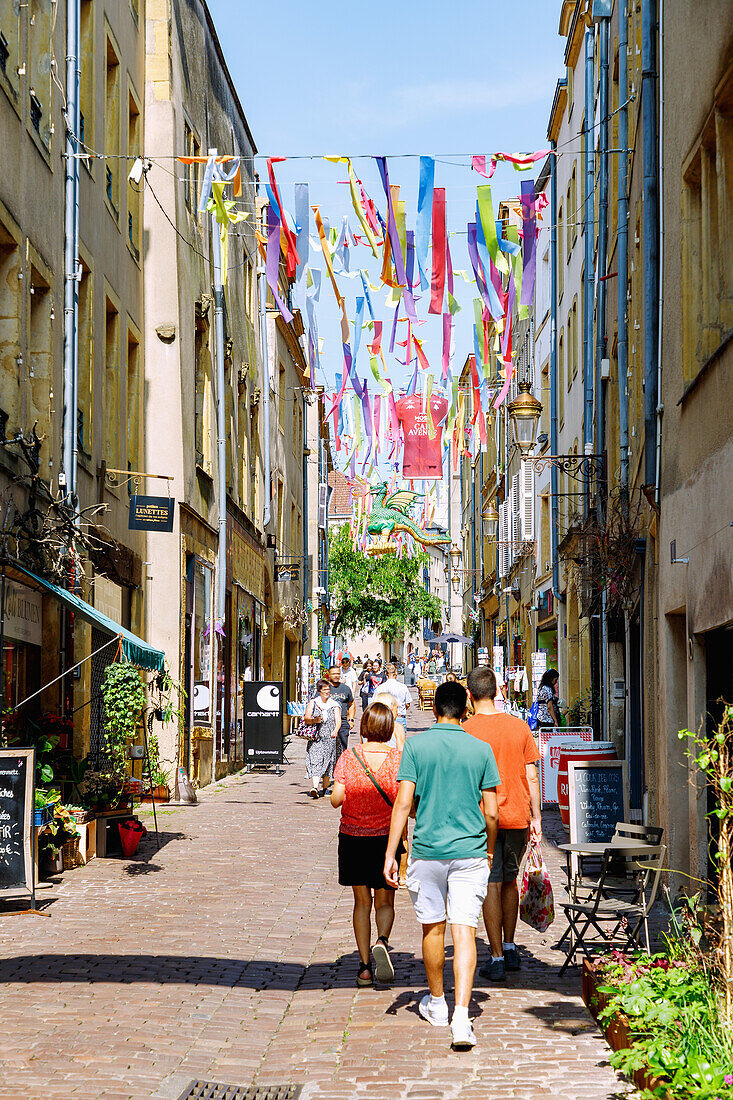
[(287, 571), (23, 614), (16, 821), (151, 514), (263, 722)]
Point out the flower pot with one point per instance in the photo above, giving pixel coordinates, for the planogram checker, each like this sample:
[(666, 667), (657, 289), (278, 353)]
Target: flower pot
[(131, 833), (160, 794)]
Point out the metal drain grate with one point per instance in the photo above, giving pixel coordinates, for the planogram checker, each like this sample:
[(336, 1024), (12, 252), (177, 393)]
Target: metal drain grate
[(215, 1090)]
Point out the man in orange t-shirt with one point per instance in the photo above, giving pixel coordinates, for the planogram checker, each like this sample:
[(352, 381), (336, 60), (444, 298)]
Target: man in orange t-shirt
[(516, 755)]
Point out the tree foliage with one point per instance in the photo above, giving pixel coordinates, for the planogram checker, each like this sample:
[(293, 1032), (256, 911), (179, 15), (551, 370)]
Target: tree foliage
[(385, 594)]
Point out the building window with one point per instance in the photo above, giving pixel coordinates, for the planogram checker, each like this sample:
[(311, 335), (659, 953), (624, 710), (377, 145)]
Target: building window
[(707, 224), (112, 386), (561, 379), (202, 386), (112, 128), (133, 190), (86, 78), (573, 205), (574, 342), (560, 253), (40, 31), (10, 306), (191, 171), (40, 354), (85, 397), (281, 393), (134, 403)]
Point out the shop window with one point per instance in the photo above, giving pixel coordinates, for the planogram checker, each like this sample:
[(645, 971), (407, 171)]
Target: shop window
[(40, 33), (86, 77), (112, 129), (133, 190), (39, 354), (191, 171), (10, 362), (134, 404), (112, 386), (85, 396), (202, 644)]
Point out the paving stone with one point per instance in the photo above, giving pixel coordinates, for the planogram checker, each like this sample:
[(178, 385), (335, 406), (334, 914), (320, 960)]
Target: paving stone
[(228, 955)]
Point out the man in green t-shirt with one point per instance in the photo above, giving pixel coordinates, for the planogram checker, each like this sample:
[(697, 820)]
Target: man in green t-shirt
[(452, 778)]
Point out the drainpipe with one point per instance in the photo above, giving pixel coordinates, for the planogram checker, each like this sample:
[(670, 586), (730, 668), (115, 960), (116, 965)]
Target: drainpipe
[(71, 252), (651, 234), (221, 452), (266, 515), (660, 275), (600, 425), (555, 520), (622, 252), (588, 287)]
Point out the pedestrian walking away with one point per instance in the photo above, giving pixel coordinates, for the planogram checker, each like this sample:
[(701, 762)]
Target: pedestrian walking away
[(548, 710), (400, 692), (365, 684), (365, 787), (451, 778), (348, 676), (516, 754), (343, 696), (323, 714)]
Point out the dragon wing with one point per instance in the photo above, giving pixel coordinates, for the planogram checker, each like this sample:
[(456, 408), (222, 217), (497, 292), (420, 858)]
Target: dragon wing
[(402, 500)]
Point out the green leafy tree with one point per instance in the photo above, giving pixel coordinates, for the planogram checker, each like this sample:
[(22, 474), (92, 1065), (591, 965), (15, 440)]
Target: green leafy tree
[(385, 594)]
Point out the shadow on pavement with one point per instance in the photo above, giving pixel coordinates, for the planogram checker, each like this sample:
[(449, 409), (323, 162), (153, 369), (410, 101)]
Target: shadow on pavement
[(253, 974)]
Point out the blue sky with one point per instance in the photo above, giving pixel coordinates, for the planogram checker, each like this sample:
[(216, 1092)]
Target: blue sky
[(388, 78)]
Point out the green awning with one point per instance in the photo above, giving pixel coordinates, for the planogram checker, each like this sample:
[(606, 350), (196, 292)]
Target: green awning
[(135, 650)]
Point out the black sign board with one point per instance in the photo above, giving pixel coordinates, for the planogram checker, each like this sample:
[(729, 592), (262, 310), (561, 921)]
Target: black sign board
[(151, 514), (287, 571), (263, 722), (599, 798), (17, 768)]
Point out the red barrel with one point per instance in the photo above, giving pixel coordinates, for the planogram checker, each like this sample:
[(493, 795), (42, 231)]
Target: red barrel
[(588, 750)]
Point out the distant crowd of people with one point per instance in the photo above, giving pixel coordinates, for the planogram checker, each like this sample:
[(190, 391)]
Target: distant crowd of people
[(472, 787)]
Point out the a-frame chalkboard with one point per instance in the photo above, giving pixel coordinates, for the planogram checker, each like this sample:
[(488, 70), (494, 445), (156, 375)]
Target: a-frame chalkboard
[(17, 792), (598, 799)]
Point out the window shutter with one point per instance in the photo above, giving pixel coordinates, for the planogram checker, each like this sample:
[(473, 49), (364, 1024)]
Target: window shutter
[(322, 505), (527, 501), (515, 520), (503, 539)]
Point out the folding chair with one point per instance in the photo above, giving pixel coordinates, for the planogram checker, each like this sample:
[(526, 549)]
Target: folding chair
[(426, 693), (583, 871), (620, 900)]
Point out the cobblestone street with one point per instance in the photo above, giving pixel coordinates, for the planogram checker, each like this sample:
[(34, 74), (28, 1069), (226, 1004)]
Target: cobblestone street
[(228, 955)]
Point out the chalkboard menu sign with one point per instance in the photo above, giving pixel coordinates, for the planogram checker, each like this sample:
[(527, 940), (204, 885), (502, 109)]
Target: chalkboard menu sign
[(599, 798), (16, 821)]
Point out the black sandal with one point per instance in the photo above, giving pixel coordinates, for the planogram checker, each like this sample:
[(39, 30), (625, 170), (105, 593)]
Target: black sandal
[(384, 969), (369, 980)]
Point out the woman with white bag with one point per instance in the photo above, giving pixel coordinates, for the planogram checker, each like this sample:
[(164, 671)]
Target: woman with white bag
[(320, 725)]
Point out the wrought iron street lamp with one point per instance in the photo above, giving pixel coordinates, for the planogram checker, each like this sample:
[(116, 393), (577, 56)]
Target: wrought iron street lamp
[(524, 413)]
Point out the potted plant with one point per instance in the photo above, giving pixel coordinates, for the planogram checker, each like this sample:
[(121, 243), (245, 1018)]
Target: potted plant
[(158, 777), (81, 815)]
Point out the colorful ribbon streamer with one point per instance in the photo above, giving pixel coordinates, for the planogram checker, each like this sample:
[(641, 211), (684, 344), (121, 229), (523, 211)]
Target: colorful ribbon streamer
[(438, 273)]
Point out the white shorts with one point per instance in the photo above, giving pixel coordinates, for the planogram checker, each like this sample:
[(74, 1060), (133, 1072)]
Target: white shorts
[(452, 888)]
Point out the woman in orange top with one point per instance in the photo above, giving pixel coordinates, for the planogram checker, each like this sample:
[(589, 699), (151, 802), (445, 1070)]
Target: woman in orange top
[(365, 786)]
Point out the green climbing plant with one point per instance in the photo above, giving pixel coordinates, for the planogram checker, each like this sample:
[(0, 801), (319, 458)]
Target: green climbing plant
[(124, 699)]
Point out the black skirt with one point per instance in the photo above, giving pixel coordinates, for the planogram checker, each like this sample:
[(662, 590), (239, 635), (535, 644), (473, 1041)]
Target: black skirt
[(361, 861)]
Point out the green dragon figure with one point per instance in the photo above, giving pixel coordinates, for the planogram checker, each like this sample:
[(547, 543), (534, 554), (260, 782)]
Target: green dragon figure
[(390, 513)]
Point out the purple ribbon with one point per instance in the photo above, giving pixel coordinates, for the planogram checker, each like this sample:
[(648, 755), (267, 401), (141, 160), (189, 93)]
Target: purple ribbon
[(394, 240), (529, 242), (272, 266)]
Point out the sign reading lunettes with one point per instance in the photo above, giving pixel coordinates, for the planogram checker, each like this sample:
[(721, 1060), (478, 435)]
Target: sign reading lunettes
[(263, 722), (151, 513), (16, 821)]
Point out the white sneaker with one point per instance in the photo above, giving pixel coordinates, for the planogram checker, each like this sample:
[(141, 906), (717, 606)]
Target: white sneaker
[(464, 1037), (436, 1017)]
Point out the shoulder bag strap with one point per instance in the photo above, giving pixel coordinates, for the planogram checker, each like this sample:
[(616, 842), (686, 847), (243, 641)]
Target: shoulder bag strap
[(373, 778)]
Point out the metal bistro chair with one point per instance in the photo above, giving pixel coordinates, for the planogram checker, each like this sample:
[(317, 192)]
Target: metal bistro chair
[(583, 871), (620, 900)]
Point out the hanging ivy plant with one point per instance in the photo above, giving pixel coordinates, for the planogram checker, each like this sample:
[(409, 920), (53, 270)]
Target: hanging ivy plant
[(124, 699)]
